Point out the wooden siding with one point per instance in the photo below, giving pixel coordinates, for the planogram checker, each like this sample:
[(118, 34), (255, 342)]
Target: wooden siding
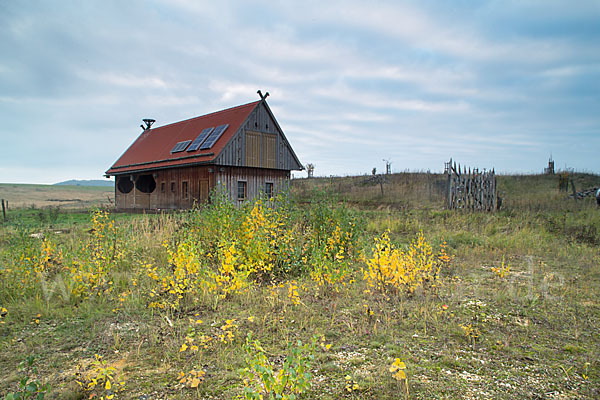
[(236, 153), (200, 180), (171, 185), (255, 178)]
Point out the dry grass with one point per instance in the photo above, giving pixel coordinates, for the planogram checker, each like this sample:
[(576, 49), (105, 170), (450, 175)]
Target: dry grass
[(409, 190), (537, 325), (70, 197)]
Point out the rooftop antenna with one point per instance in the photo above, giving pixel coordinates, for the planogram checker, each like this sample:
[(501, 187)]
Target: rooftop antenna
[(148, 123), (261, 95)]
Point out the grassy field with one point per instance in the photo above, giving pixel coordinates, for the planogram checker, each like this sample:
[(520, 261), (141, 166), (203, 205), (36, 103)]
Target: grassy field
[(478, 306), (51, 196)]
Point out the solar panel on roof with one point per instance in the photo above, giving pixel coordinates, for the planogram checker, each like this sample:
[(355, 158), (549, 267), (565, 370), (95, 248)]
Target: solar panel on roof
[(180, 146), (200, 139), (214, 136)]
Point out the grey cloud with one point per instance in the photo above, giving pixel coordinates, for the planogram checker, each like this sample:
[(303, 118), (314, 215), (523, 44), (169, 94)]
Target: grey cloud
[(418, 82)]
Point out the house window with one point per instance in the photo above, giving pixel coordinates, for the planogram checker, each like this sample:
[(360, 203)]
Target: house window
[(162, 187), (173, 187), (184, 190), (269, 189), (241, 195)]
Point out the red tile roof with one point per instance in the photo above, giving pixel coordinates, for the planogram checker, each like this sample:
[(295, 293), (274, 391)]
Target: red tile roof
[(152, 149)]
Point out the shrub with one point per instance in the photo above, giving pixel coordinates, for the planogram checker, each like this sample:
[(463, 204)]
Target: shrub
[(391, 270), (93, 266), (262, 381), (29, 387)]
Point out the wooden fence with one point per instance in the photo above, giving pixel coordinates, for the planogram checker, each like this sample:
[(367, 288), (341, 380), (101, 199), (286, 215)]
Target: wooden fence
[(470, 189), (584, 193)]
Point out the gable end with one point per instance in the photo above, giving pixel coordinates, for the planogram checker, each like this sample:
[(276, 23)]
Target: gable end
[(259, 142)]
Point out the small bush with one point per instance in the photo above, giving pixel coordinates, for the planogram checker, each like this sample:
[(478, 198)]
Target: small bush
[(391, 270), (262, 381)]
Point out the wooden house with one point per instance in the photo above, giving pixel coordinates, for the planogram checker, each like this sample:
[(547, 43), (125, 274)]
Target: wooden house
[(243, 149)]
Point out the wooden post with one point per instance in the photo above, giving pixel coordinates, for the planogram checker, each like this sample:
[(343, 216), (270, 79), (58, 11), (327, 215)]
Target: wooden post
[(494, 194), (429, 184), (133, 180), (449, 199), (3, 210)]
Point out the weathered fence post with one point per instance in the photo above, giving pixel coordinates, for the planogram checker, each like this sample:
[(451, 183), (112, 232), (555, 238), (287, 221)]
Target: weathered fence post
[(449, 185), (495, 197), (429, 184), (3, 210)]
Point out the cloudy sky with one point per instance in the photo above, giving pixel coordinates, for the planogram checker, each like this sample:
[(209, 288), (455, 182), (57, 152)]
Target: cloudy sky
[(501, 84)]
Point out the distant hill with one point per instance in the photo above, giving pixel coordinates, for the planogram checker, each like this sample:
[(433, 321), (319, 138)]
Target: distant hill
[(96, 182)]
